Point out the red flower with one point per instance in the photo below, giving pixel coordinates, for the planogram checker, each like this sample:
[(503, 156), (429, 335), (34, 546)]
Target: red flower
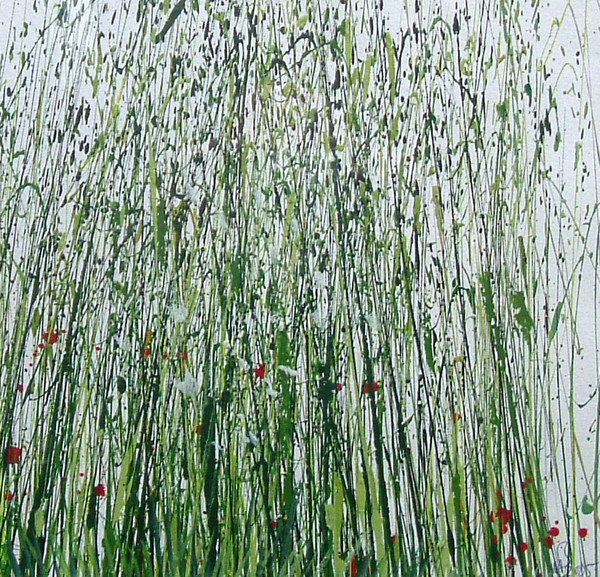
[(370, 387), (9, 496), (583, 532), (523, 546), (504, 529), (274, 523), (554, 531), (340, 386), (549, 542), (504, 514), (260, 371), (147, 352), (51, 338), (13, 455), (100, 490), (511, 561), (20, 388), (354, 567)]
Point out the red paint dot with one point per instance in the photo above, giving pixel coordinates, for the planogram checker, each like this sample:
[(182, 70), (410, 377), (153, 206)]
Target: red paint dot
[(13, 455)]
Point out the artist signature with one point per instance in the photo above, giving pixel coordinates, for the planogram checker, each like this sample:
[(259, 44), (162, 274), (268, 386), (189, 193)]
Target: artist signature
[(562, 564)]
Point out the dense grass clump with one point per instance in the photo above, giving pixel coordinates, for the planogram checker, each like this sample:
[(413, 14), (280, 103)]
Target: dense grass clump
[(296, 289)]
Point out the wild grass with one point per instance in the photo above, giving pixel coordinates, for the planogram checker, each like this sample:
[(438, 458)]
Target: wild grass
[(294, 289)]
